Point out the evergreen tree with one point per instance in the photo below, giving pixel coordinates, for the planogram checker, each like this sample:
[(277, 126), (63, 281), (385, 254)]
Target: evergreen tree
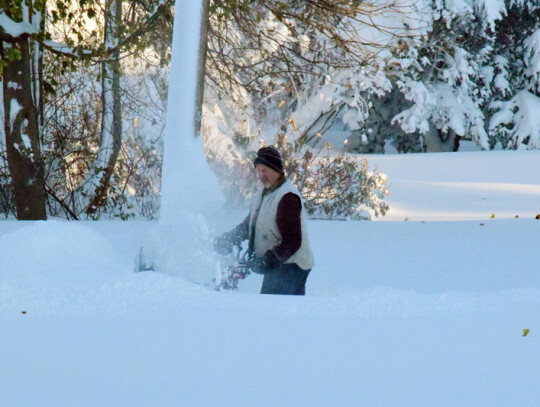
[(440, 74), (515, 84)]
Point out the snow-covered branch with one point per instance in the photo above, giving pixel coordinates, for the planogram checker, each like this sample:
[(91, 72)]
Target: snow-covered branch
[(14, 29)]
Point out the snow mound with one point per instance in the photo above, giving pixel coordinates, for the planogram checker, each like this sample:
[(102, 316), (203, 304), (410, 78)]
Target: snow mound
[(57, 250)]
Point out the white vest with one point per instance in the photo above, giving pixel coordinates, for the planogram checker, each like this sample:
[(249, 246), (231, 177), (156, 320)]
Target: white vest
[(267, 234)]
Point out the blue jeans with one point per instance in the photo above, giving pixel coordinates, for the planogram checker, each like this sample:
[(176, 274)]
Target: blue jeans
[(288, 279)]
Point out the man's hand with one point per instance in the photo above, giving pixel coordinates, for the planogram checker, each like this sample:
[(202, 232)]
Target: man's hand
[(261, 264), (255, 264), (270, 260)]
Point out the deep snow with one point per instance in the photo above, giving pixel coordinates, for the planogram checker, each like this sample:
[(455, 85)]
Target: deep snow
[(425, 312), (398, 313)]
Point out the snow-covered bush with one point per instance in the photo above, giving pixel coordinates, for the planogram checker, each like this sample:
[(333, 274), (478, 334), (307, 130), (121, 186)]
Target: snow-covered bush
[(334, 185)]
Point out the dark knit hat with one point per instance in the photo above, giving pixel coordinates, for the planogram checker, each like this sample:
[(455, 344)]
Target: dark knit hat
[(270, 157)]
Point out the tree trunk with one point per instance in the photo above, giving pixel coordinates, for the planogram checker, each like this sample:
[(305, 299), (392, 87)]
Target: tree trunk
[(111, 123), (23, 145), (435, 141)]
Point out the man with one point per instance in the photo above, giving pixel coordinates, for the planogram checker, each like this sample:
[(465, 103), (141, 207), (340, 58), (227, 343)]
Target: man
[(276, 230)]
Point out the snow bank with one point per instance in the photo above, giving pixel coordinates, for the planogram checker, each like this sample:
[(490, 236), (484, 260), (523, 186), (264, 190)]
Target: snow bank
[(58, 251)]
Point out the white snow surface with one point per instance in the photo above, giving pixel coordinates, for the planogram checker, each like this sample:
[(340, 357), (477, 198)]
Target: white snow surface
[(397, 313), (424, 312)]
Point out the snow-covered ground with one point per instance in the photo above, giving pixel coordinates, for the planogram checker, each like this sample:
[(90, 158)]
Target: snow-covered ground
[(467, 186), (425, 312)]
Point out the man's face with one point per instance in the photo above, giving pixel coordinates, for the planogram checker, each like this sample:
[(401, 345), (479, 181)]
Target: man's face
[(266, 175)]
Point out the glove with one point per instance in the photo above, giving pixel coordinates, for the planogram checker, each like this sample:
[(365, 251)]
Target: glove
[(261, 264), (271, 260), (223, 245)]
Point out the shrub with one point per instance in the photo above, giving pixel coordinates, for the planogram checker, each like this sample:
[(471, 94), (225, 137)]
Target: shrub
[(333, 184)]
